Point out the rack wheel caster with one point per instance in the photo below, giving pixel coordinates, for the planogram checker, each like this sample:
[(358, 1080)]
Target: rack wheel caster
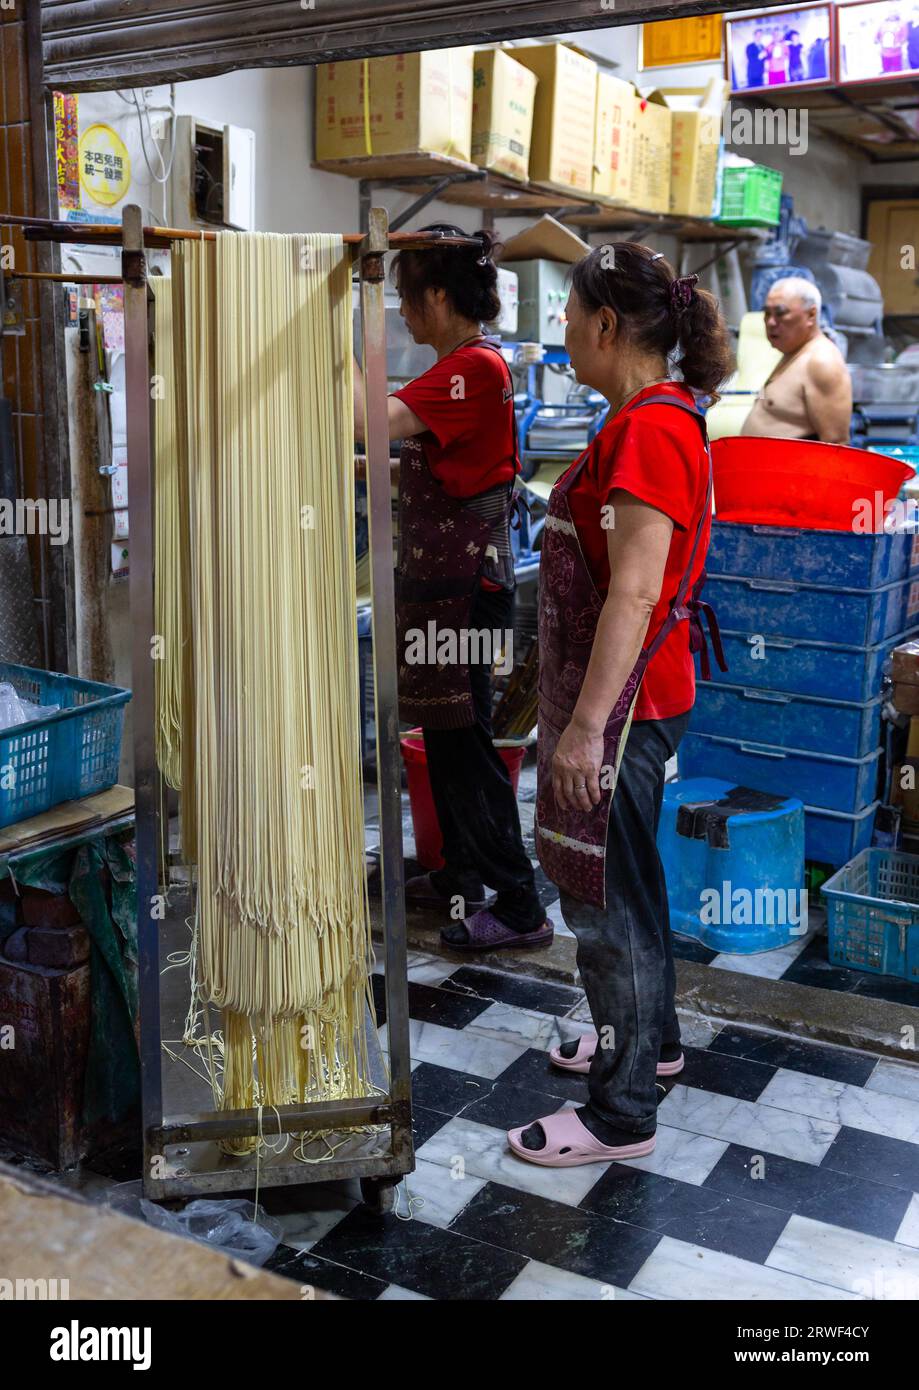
[(379, 1194)]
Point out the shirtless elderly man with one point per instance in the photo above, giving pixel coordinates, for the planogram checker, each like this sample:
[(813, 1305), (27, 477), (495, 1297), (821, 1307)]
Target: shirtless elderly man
[(808, 394)]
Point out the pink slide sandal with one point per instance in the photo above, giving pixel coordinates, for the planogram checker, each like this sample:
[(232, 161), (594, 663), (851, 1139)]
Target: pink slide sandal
[(587, 1046), (569, 1144)]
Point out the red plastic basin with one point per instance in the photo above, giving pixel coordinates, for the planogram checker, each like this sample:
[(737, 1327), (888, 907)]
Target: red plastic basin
[(793, 482), (428, 842)]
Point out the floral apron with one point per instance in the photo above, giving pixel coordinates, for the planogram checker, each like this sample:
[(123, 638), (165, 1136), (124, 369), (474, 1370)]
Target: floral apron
[(442, 551), (571, 843)]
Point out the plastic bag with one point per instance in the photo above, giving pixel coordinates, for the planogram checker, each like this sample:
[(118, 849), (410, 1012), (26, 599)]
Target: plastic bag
[(234, 1226), (15, 710)]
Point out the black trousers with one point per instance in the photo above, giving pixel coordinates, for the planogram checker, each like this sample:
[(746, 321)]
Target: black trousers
[(475, 801), (625, 954)]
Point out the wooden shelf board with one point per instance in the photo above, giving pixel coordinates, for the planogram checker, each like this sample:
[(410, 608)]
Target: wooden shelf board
[(833, 97), (507, 196), (393, 167)]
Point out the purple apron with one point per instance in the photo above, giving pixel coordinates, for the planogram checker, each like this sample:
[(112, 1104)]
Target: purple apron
[(441, 553), (571, 843)]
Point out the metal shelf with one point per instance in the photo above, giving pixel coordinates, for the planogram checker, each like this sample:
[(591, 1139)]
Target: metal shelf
[(466, 185)]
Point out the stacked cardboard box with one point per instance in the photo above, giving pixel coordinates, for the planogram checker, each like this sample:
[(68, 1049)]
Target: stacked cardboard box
[(649, 186), (614, 137), (696, 131), (562, 152), (504, 95), (399, 104), (544, 112), (905, 673)]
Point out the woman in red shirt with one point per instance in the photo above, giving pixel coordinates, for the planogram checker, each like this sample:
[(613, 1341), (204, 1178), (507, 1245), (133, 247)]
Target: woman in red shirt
[(622, 564), (455, 595)]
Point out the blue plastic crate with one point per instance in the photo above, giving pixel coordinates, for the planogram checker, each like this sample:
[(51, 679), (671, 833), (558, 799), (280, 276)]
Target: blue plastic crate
[(831, 837), (734, 874), (827, 670), (839, 784), (790, 721), (862, 617), (872, 909), (833, 558), (72, 753)]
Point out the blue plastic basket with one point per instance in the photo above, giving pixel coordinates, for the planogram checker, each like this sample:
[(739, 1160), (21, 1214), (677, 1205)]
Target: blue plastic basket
[(71, 753), (872, 906)]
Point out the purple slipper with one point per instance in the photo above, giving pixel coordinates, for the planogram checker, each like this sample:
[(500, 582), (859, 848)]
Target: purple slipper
[(487, 933)]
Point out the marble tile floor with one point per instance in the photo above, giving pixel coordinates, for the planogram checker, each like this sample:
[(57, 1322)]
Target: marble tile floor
[(784, 1169)]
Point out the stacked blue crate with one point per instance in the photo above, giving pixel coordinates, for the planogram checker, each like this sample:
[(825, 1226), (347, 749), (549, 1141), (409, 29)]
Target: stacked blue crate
[(808, 619)]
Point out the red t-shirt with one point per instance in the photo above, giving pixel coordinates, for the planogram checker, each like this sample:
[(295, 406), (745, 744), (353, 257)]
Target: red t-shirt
[(656, 453), (467, 402)]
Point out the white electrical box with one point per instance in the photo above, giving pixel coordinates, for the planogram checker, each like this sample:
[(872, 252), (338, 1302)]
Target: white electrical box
[(213, 179), (506, 322), (543, 288)]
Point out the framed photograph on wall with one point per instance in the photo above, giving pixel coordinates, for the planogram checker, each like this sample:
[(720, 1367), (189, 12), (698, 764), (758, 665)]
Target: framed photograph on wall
[(877, 40), (780, 48), (668, 43)]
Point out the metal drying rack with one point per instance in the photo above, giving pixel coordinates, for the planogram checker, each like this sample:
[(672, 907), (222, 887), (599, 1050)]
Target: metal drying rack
[(168, 1139)]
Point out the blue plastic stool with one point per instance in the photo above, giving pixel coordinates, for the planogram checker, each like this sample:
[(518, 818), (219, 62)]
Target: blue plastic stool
[(734, 864)]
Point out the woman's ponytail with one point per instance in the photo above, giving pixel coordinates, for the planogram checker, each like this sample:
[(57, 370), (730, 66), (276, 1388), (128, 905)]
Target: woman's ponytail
[(706, 356)]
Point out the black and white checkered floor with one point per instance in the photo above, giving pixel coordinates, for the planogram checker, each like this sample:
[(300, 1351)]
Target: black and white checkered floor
[(783, 1169)]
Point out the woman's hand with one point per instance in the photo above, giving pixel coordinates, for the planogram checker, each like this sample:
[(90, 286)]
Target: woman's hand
[(576, 767)]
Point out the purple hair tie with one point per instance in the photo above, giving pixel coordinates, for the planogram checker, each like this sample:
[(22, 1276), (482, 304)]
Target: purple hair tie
[(682, 291)]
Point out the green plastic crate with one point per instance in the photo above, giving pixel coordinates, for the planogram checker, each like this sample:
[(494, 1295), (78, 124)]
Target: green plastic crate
[(751, 196)]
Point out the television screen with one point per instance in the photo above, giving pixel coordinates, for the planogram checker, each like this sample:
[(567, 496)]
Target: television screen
[(781, 48), (878, 39)]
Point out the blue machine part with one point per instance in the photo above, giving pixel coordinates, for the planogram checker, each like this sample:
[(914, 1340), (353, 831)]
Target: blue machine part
[(779, 247), (734, 864), (825, 779), (874, 425), (786, 720), (841, 559), (860, 616)]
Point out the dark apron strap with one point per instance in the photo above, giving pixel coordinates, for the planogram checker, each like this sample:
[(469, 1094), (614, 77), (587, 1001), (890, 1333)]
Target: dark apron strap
[(694, 608), (513, 501)]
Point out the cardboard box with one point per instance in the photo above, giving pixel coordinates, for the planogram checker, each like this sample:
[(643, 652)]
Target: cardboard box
[(649, 186), (614, 135), (503, 98), (562, 149), (696, 133), (906, 698), (547, 240), (399, 104), (905, 663)]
